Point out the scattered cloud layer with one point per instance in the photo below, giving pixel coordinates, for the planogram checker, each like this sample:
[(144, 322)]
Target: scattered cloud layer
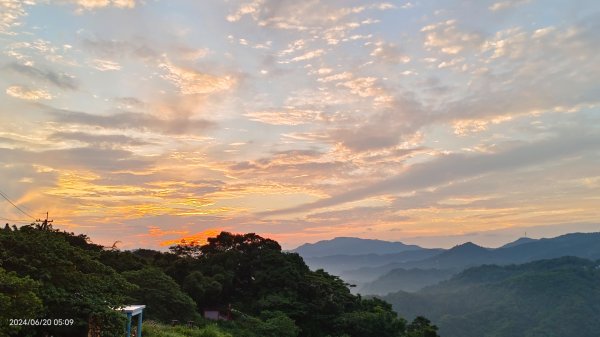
[(132, 120), (300, 120)]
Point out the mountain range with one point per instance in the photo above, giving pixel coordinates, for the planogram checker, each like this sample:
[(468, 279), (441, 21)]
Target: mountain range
[(375, 266)]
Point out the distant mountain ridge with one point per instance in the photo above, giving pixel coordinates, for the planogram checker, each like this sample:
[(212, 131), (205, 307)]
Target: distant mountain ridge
[(518, 241), (371, 271), (455, 256), (584, 245), (352, 246)]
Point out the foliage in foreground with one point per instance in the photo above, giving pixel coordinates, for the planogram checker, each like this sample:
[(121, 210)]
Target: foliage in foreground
[(68, 279), (17, 299), (267, 292), (153, 329)]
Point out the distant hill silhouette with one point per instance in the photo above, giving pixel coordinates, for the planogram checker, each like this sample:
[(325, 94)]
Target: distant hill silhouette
[(519, 241), (352, 246), (584, 245), (368, 268), (457, 257)]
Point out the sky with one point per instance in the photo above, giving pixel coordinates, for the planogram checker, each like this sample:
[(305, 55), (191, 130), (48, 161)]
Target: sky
[(427, 122)]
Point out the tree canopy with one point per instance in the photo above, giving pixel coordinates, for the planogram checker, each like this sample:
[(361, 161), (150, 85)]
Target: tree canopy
[(268, 292)]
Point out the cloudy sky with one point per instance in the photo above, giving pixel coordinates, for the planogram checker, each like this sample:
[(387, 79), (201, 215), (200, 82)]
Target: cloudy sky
[(430, 122)]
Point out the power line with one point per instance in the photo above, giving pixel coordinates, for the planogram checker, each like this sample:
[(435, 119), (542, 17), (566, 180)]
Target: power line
[(17, 207), (26, 209)]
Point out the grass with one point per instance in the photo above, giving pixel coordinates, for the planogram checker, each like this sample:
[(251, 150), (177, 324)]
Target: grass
[(153, 329)]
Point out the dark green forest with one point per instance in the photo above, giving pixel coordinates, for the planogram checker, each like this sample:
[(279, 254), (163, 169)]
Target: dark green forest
[(47, 273), (547, 298)]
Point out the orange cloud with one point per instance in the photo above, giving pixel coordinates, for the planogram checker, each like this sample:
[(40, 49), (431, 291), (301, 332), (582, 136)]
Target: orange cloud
[(198, 238), (154, 231)]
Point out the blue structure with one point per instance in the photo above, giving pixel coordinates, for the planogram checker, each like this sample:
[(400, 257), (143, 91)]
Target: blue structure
[(130, 311)]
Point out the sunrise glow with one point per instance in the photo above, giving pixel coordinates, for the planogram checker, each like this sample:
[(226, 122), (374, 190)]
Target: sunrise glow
[(150, 122)]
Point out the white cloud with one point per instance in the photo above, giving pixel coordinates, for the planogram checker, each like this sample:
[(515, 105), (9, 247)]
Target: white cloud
[(389, 52), (11, 12), (105, 65), (95, 4), (190, 81), (446, 37), (308, 55), (502, 5), (337, 77), (385, 6), (286, 116), (27, 94), (367, 87), (245, 9)]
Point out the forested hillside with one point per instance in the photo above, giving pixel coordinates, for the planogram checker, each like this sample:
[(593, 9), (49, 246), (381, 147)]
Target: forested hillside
[(549, 298), (47, 273)]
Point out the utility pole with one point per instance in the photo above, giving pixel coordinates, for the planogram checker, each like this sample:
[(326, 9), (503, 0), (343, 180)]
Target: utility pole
[(45, 222)]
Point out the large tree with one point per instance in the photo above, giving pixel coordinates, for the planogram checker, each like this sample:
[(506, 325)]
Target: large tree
[(254, 276), (162, 296)]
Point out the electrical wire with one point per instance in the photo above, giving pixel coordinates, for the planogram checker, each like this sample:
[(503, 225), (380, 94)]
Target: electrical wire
[(17, 207)]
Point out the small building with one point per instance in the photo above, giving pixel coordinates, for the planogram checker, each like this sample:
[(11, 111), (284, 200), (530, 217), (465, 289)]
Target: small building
[(130, 311), (95, 325), (216, 315)]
